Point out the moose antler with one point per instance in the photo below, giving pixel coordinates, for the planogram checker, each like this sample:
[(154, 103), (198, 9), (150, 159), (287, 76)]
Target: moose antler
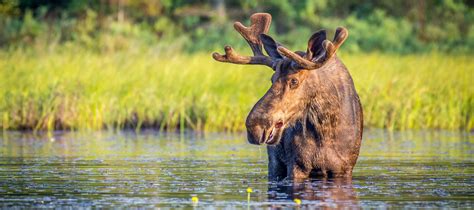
[(329, 47), (259, 24)]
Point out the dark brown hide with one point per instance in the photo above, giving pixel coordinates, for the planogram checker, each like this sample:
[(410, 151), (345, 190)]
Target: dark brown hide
[(322, 123), (311, 117)]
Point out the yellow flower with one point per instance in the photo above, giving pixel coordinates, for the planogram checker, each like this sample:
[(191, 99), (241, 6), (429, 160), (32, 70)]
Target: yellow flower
[(297, 201), (249, 190), (195, 199)]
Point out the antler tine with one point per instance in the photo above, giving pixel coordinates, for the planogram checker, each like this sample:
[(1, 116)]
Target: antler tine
[(339, 37), (232, 57), (302, 62), (259, 24), (330, 48)]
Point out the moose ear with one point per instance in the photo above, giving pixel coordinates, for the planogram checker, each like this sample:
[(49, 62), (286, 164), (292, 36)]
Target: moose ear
[(270, 46), (315, 51)]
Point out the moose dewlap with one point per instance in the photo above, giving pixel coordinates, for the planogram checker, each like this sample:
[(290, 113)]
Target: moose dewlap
[(311, 117)]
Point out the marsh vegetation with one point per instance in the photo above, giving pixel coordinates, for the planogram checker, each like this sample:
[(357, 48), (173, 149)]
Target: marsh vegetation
[(80, 89), (91, 65)]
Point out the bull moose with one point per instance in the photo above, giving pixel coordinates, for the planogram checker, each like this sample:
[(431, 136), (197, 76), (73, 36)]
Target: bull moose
[(311, 117)]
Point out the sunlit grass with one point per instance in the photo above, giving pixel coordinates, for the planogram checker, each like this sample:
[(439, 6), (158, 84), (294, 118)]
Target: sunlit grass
[(415, 91), (84, 90)]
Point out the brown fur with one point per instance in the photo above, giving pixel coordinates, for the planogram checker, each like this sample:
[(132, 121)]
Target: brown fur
[(311, 117), (322, 129)]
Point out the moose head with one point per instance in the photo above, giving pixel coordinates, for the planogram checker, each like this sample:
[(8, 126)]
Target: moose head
[(297, 79)]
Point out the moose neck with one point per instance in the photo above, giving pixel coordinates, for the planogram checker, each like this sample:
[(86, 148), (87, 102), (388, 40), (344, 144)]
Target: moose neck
[(317, 124), (320, 122), (321, 115)]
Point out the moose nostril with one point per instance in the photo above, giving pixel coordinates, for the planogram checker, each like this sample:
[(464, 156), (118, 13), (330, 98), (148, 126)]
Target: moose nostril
[(279, 124), (263, 137)]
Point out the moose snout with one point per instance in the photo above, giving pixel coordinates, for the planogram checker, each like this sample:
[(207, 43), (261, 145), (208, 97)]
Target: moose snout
[(258, 126), (255, 135)]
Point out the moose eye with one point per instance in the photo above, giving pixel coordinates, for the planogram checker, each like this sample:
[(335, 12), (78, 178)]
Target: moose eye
[(293, 83)]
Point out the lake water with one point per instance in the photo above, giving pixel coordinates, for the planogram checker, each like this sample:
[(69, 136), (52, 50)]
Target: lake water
[(152, 169)]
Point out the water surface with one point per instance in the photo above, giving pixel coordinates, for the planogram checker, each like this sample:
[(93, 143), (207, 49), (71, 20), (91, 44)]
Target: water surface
[(152, 169)]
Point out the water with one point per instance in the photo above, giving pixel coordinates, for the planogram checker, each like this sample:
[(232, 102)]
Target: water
[(151, 169)]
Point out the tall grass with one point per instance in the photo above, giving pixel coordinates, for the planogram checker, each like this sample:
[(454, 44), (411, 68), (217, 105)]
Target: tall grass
[(85, 90)]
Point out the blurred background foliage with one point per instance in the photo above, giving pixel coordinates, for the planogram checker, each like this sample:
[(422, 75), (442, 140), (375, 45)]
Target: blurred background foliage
[(396, 26), (94, 64)]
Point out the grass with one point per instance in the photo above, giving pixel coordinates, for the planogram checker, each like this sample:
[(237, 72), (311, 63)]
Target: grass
[(84, 90)]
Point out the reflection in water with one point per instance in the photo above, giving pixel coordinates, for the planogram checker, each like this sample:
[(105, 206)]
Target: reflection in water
[(336, 192), (152, 169)]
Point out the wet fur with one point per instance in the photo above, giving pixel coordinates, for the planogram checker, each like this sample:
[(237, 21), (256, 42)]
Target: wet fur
[(325, 139), (311, 117)]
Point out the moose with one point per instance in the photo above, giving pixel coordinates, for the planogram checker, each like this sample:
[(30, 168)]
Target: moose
[(311, 117)]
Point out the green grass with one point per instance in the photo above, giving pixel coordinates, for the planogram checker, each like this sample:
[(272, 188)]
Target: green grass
[(84, 90)]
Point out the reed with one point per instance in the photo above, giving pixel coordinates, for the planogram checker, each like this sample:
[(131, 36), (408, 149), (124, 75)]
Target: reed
[(84, 90)]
